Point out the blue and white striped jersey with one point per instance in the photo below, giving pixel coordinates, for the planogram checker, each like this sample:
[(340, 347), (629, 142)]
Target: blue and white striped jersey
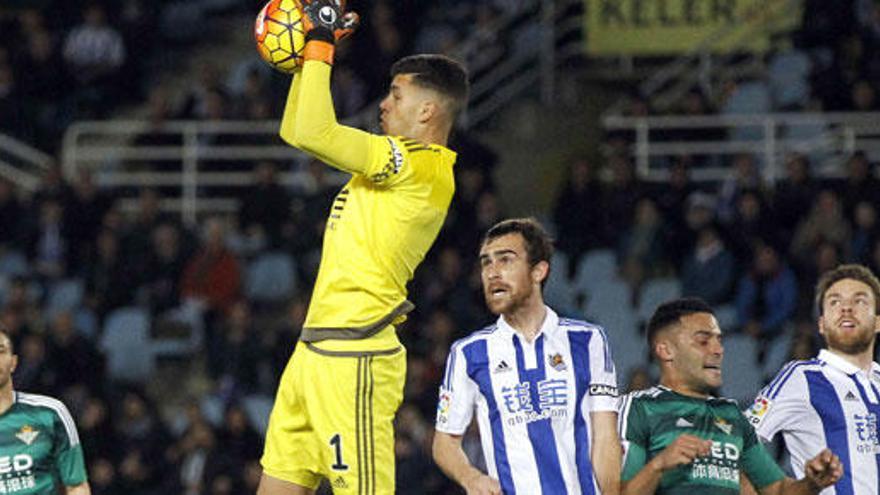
[(822, 402), (533, 402)]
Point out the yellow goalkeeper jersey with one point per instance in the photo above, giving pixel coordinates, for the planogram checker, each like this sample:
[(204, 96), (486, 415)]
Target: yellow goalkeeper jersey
[(381, 223)]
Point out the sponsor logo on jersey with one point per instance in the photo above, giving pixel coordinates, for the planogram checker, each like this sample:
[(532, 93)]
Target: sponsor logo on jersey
[(27, 434), (443, 406), (683, 423), (502, 367), (599, 389), (556, 362), (759, 409)]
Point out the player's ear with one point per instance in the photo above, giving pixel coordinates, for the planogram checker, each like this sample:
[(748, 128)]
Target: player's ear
[(663, 350), (14, 363), (820, 324), (428, 110), (540, 271)]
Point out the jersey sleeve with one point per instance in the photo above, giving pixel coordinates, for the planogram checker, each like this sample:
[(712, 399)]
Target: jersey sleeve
[(602, 394), (757, 464), (777, 404), (310, 124), (458, 394), (69, 459), (634, 436)]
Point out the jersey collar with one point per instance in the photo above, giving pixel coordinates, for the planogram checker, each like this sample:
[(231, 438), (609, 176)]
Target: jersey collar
[(551, 323), (844, 365)]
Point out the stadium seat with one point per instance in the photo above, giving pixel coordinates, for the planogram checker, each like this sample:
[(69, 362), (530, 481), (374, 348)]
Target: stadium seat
[(749, 98), (271, 278), (86, 323), (727, 317), (258, 407), (777, 352), (65, 295), (597, 267), (179, 332), (654, 293), (559, 292), (788, 74), (13, 264), (741, 373), (126, 344)]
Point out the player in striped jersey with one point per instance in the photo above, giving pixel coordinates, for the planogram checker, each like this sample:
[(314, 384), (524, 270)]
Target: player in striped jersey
[(679, 439), (39, 446), (543, 387), (834, 399)]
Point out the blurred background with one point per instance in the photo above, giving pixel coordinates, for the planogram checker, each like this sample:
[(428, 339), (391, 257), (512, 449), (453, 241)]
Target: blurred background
[(158, 241)]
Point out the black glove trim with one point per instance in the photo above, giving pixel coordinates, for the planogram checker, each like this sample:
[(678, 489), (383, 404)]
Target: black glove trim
[(320, 33)]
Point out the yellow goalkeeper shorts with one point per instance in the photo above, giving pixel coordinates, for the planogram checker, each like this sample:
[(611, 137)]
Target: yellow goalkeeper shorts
[(332, 419)]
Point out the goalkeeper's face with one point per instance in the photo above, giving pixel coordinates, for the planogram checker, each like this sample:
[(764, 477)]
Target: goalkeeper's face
[(407, 108)]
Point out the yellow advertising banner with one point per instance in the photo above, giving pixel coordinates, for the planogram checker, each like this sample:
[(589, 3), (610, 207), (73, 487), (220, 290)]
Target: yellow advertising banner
[(669, 27)]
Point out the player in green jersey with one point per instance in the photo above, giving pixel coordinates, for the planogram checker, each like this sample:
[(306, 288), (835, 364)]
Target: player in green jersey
[(680, 439), (40, 451)]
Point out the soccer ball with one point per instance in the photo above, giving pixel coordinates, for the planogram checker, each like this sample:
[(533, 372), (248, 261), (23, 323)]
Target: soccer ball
[(280, 35)]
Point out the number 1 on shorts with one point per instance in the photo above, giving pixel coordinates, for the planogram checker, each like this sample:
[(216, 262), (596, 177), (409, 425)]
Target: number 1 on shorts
[(336, 442)]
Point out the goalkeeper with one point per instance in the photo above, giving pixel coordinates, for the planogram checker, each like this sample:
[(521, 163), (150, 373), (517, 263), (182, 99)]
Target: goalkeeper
[(338, 395)]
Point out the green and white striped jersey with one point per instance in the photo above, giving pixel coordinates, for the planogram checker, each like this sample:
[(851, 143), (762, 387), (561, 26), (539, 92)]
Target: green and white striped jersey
[(39, 447), (652, 419)]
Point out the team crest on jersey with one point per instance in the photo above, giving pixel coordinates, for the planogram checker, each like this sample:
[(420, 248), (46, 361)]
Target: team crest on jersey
[(27, 434), (723, 425), (556, 362)]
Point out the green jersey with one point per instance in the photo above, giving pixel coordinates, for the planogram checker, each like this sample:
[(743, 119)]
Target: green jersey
[(39, 447), (652, 419)]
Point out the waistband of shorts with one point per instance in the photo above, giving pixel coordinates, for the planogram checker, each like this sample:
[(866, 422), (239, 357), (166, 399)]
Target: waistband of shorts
[(311, 335)]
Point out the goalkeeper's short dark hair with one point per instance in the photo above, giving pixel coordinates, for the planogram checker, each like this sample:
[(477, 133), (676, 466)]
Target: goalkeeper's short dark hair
[(438, 72), (669, 313)]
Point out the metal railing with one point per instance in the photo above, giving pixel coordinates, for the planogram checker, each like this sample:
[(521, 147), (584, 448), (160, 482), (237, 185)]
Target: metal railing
[(827, 138), (21, 163), (110, 149)]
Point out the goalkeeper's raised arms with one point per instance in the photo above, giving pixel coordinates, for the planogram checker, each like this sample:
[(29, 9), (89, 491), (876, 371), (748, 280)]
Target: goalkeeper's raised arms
[(325, 23)]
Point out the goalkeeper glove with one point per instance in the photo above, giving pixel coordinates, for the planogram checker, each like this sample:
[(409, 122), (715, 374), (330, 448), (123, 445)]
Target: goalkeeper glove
[(325, 23)]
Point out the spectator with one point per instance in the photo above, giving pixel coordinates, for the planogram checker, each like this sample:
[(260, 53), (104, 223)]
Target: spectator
[(95, 52), (234, 358), (212, 277), (583, 230), (860, 185), (108, 282), (12, 215), (794, 194), (708, 271), (767, 296), (165, 263), (73, 358), (865, 233), (265, 208), (48, 248), (825, 222), (642, 245)]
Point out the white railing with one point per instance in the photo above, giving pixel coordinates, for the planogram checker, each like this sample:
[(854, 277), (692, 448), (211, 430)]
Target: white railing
[(827, 138), (22, 163), (110, 151)]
